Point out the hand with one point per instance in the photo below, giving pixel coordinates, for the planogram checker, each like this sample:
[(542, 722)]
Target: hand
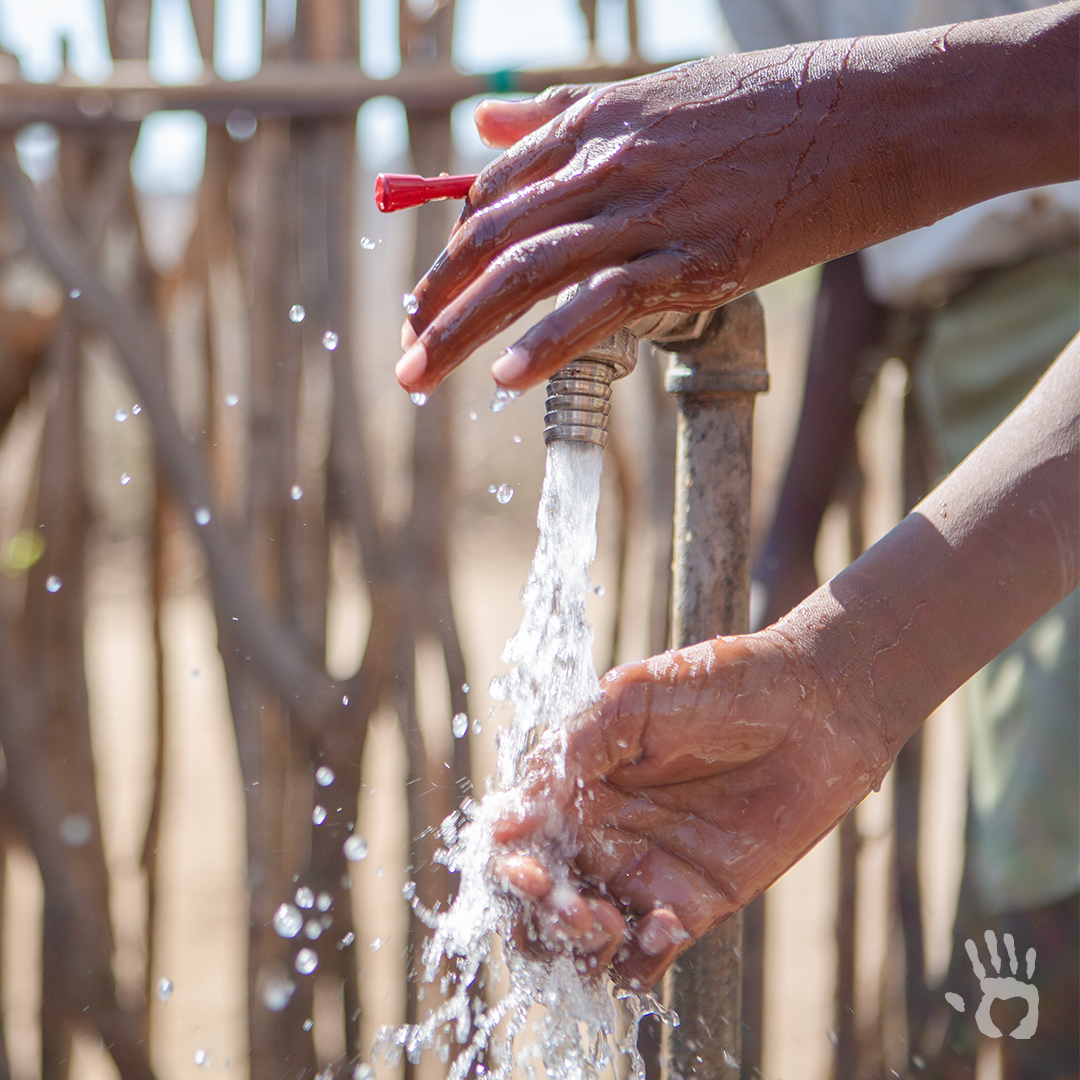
[(698, 778), (683, 189), (665, 192)]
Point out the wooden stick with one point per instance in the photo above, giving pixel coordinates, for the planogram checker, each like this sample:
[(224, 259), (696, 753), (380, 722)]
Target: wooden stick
[(297, 88)]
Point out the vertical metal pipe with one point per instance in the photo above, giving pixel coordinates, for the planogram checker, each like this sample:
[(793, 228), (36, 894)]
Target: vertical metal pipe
[(715, 378)]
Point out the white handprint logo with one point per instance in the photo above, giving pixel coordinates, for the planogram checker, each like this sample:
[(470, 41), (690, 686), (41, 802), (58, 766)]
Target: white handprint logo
[(1000, 988)]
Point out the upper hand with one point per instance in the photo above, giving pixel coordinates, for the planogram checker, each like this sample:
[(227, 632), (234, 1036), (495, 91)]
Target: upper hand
[(698, 778), (676, 191)]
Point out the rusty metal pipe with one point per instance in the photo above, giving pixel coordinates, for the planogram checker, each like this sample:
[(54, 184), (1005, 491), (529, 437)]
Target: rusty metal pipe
[(715, 378)]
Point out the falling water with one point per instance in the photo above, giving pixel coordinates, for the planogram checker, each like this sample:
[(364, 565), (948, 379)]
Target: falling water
[(552, 679)]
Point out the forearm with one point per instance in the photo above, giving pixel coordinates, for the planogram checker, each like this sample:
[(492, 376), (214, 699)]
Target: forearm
[(932, 121), (987, 553)]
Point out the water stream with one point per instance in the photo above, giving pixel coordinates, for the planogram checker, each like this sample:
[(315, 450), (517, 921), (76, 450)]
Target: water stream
[(552, 679)]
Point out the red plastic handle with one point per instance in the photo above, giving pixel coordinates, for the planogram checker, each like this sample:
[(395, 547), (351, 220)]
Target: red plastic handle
[(398, 191)]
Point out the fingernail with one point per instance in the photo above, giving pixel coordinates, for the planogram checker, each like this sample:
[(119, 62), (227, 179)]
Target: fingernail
[(510, 366), (408, 335), (412, 365), (655, 937)]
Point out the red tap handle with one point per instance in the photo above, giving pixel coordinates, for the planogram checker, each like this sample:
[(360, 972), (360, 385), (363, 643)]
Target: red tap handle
[(396, 191)]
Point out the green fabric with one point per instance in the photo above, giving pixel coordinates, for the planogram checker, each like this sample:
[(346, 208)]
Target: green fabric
[(982, 352)]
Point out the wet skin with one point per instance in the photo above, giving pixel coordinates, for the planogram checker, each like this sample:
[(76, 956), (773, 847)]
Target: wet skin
[(685, 188), (701, 776)]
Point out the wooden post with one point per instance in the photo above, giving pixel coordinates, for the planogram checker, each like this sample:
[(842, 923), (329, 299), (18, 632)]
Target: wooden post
[(715, 379)]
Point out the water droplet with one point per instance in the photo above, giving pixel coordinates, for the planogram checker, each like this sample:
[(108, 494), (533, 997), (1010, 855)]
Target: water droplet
[(517, 438), (329, 341), (472, 416), (367, 243), (363, 1071), (834, 1038), (459, 725), (297, 313), (305, 898), (504, 494), (344, 699), (376, 945), (347, 940), (296, 493), (418, 398), (120, 415), (324, 776), (277, 993), (307, 1025), (75, 294), (324, 901), (918, 1061), (202, 1059), (355, 848), (136, 409), (288, 921), (318, 815), (306, 962), (492, 488), (53, 583), (410, 304), (312, 930), (599, 590), (164, 989), (464, 687), (241, 125), (476, 726), (125, 479), (502, 398), (231, 400), (408, 890), (202, 515)]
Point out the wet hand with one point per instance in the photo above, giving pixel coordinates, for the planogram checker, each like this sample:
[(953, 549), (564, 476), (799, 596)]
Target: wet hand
[(697, 780), (678, 191)]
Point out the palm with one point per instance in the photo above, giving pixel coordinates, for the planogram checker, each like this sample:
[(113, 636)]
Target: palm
[(699, 778)]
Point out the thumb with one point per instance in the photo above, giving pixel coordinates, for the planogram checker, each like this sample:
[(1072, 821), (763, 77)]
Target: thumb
[(502, 123)]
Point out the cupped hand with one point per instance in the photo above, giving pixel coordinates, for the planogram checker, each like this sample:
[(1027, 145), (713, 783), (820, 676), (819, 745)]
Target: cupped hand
[(675, 191), (698, 778)]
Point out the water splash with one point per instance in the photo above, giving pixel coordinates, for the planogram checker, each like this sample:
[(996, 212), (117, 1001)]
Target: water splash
[(552, 679), (502, 397), (355, 848), (307, 960)]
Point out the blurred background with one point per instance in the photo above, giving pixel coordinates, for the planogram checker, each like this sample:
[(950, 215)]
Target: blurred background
[(247, 583)]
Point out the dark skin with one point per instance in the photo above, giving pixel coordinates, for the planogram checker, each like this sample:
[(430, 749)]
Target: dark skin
[(701, 776), (683, 189)]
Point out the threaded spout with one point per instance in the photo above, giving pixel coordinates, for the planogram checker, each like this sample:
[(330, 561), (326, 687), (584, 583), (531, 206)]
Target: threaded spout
[(579, 401)]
